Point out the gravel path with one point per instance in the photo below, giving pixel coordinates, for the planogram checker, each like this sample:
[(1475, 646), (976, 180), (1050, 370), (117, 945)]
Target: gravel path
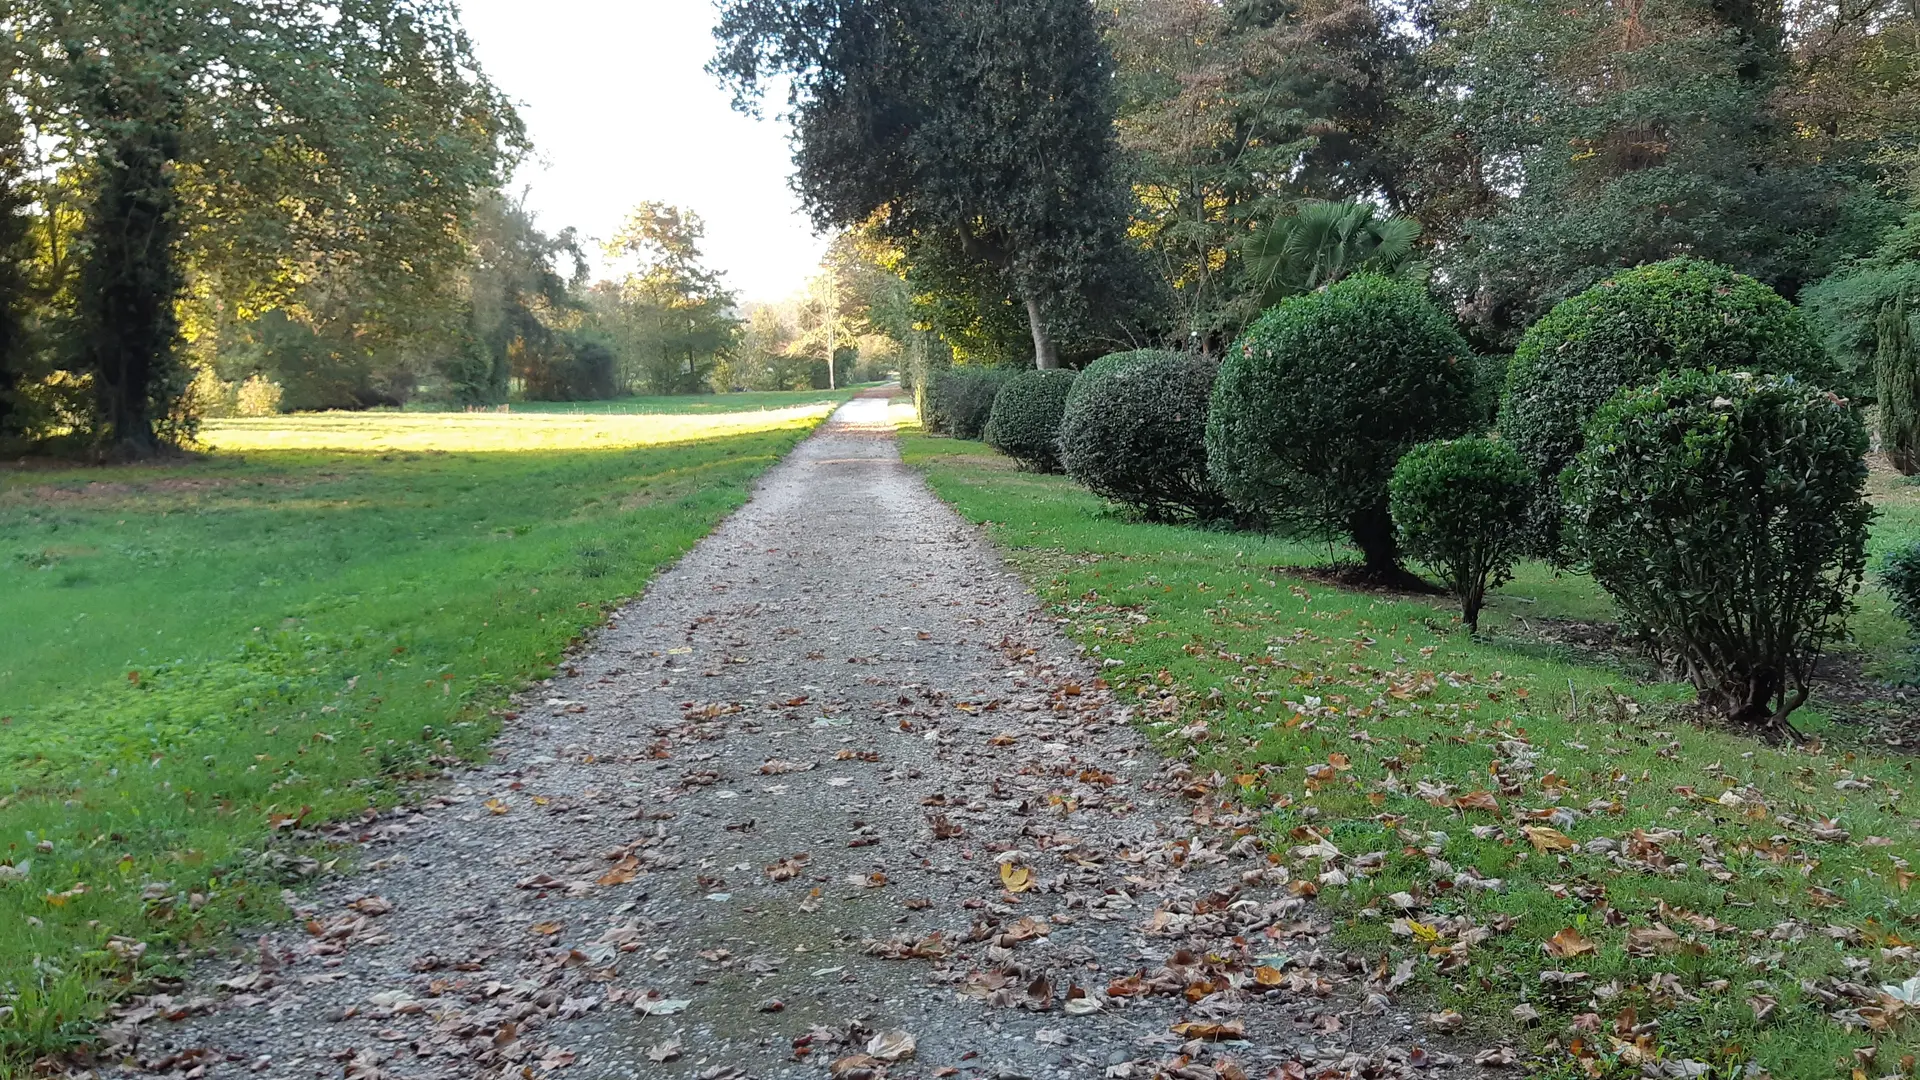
[(834, 794)]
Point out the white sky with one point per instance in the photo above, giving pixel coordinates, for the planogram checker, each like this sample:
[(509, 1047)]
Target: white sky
[(620, 111)]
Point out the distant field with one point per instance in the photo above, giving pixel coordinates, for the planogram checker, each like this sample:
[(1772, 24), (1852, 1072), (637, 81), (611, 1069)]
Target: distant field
[(193, 651), (692, 404), (522, 430)]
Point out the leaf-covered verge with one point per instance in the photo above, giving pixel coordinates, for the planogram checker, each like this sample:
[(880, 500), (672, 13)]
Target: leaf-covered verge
[(201, 664), (1566, 860)]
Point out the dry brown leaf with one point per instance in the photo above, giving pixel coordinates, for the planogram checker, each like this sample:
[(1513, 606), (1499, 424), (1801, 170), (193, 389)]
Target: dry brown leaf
[(1209, 1032), (621, 872), (1568, 943)]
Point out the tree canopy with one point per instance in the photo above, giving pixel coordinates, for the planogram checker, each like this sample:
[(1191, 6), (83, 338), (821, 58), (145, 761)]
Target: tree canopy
[(931, 118)]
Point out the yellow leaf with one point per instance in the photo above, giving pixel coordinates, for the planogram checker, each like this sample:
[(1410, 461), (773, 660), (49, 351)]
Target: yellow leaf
[(1422, 932), (1016, 878), (1545, 839), (496, 806)]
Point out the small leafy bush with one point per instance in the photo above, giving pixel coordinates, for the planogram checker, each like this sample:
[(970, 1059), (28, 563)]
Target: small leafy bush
[(1460, 507), (1726, 514), (1319, 398), (1135, 431), (1681, 313), (959, 400), (1025, 422), (1900, 575)]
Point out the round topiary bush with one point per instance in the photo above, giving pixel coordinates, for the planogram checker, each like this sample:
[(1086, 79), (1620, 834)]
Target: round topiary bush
[(1681, 313), (959, 400), (1727, 515), (1135, 431), (1319, 398), (1025, 422), (1459, 507)]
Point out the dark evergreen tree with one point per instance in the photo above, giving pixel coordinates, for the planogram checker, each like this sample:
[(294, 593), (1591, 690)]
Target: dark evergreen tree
[(986, 123), (131, 277), (14, 283)]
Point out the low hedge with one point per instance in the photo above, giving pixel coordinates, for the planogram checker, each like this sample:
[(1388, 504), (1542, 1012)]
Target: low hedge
[(1025, 423), (959, 400), (1135, 431)]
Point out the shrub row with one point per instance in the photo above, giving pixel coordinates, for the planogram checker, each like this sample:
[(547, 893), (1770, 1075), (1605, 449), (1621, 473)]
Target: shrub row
[(1025, 419), (958, 401), (1135, 432), (1666, 429)]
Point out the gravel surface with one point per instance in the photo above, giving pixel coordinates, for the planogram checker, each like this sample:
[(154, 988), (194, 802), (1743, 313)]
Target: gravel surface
[(833, 794)]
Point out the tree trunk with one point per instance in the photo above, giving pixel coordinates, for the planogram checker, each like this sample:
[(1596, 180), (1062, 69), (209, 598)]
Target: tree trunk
[(128, 289), (1372, 530), (1044, 354)]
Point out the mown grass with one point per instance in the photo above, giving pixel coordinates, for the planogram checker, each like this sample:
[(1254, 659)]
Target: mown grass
[(200, 659), (678, 404), (1377, 725)]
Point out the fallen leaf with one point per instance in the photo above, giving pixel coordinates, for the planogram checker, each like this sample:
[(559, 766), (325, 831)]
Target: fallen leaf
[(1569, 942), (1210, 1032), (1546, 839), (891, 1046), (857, 1067), (788, 868), (664, 1052), (621, 872), (1016, 878)]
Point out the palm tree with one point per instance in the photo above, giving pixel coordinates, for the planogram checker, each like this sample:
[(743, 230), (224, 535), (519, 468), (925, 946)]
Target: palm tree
[(1322, 242)]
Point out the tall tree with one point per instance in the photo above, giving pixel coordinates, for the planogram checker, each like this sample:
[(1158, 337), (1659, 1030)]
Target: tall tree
[(14, 254), (671, 312), (1610, 133), (1229, 112), (979, 126), (520, 305), (247, 141)]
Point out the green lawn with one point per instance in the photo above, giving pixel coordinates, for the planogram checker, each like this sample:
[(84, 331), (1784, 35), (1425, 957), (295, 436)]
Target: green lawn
[(1724, 901), (198, 657)]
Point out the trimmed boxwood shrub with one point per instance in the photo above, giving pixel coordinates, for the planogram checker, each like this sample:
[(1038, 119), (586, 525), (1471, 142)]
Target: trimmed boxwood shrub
[(1726, 513), (1319, 398), (959, 400), (1681, 313), (1459, 507), (1900, 575), (1135, 431), (1025, 422)]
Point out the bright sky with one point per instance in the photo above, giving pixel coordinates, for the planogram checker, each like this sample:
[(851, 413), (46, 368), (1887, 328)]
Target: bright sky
[(620, 111)]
